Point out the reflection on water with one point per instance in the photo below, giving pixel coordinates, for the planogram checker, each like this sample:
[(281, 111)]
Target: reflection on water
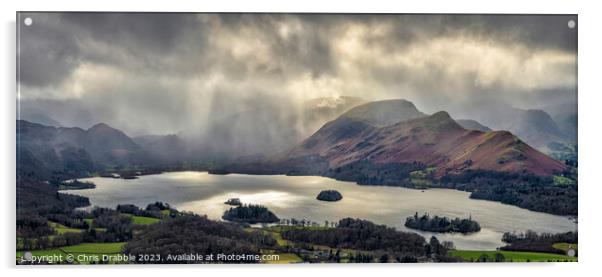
[(295, 197)]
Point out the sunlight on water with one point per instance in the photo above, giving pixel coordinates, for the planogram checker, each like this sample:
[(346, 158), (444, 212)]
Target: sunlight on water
[(214, 207)]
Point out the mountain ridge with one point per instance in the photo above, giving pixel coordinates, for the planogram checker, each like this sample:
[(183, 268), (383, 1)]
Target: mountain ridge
[(73, 150), (435, 140)]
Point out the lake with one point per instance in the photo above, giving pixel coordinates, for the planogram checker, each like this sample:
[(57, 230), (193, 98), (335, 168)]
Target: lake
[(295, 197)]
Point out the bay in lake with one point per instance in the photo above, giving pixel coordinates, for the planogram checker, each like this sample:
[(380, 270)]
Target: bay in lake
[(295, 197)]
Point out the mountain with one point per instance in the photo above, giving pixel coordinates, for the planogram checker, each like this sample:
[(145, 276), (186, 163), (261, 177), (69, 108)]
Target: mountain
[(320, 110), (537, 128), (565, 116), (46, 150), (40, 118), (470, 124), (534, 126), (362, 135), (383, 113), (167, 148), (568, 126), (109, 145)]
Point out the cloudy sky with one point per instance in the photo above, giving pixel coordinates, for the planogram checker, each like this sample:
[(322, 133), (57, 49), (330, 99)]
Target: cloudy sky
[(167, 73)]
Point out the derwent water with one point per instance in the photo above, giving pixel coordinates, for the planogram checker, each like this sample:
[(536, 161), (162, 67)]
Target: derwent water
[(295, 197)]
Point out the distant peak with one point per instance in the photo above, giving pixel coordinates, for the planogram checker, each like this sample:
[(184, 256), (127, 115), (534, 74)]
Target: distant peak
[(384, 112), (100, 126), (399, 102), (441, 115), (442, 121)]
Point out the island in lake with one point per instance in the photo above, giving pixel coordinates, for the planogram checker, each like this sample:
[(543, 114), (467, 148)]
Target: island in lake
[(250, 214), (329, 195), (233, 202), (442, 224), (75, 185)]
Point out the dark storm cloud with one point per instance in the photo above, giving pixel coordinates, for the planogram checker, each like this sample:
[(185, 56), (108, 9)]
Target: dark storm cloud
[(157, 33), (62, 41), (541, 31), (162, 72), (47, 53), (140, 40)]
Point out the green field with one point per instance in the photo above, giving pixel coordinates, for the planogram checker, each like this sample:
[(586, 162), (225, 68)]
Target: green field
[(89, 221), (563, 181), (142, 220), (422, 179), (565, 246), (90, 250), (165, 212), (279, 229), (61, 229), (279, 239), (513, 256), (96, 248), (275, 231)]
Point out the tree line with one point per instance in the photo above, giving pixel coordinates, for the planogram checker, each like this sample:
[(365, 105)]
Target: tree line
[(250, 214), (364, 235), (442, 224), (189, 233), (536, 193)]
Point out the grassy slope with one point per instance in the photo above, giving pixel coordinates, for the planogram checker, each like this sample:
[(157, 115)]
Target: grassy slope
[(143, 220), (563, 181), (61, 229), (96, 248), (565, 246)]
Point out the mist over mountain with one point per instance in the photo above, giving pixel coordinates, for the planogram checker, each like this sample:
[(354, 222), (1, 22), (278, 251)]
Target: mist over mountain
[(534, 126), (320, 110), (46, 149), (383, 113), (565, 116), (249, 76), (166, 149), (40, 118)]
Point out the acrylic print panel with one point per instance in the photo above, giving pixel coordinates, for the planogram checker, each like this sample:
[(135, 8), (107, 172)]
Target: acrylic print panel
[(296, 138)]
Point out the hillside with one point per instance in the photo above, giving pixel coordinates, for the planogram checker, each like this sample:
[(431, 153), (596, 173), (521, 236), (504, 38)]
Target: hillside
[(436, 140), (533, 126), (167, 148), (383, 113), (48, 150), (320, 110), (537, 128)]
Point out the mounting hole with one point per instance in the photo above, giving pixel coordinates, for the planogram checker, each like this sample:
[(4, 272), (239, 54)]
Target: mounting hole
[(28, 21), (571, 24)]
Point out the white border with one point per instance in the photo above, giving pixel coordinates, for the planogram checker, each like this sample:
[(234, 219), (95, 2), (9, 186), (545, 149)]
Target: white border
[(589, 132)]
